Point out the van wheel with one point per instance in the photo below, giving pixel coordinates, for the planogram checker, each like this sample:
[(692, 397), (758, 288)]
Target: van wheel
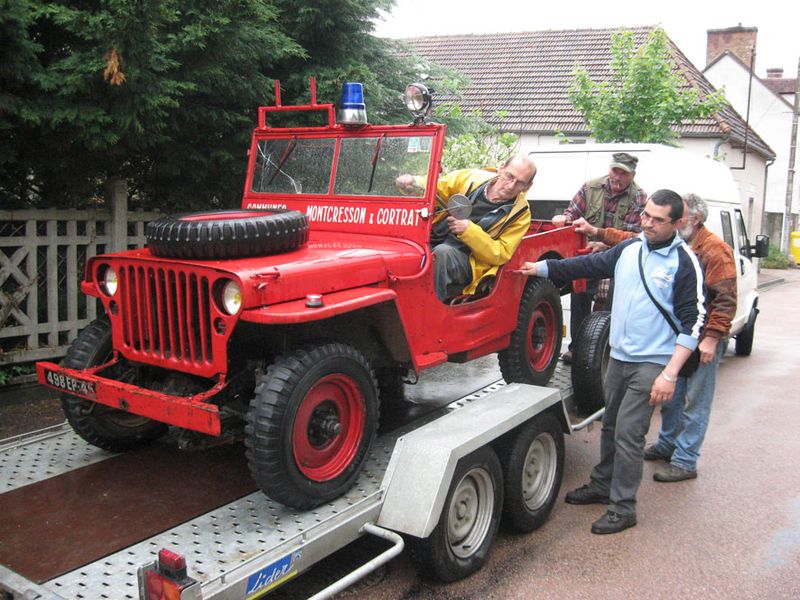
[(100, 425), (744, 339), (591, 355), (311, 424), (533, 464), (532, 355), (234, 233), (459, 544)]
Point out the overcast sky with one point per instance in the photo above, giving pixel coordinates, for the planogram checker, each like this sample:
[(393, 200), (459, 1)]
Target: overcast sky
[(686, 22)]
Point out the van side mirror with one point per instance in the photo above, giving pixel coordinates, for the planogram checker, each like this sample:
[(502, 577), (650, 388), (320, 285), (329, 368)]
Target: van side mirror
[(762, 247)]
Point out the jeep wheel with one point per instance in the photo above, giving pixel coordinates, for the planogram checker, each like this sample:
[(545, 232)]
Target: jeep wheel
[(459, 544), (227, 233), (100, 425), (532, 355), (744, 339), (311, 424), (533, 464), (591, 353)]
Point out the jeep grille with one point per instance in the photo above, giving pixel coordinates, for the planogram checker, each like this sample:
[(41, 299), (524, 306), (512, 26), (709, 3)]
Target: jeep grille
[(166, 315)]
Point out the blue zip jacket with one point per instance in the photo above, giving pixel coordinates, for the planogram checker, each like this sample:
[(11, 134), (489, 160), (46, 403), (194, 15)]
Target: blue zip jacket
[(639, 332)]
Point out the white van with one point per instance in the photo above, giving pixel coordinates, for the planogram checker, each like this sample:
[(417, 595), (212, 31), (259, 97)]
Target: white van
[(561, 170)]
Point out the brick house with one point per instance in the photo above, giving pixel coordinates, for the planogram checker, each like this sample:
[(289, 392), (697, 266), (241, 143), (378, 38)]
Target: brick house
[(527, 75)]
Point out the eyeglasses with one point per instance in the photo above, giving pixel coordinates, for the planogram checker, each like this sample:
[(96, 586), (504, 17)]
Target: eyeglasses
[(509, 178), (646, 216)]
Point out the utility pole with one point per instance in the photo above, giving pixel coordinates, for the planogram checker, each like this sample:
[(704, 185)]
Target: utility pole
[(787, 210)]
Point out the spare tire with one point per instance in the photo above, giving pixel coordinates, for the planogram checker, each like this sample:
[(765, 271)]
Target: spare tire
[(590, 357), (234, 233)]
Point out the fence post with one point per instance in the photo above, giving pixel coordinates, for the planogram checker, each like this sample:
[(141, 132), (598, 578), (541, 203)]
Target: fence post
[(117, 198)]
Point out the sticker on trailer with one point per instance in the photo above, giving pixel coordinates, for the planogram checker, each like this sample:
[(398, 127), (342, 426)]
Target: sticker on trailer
[(272, 575)]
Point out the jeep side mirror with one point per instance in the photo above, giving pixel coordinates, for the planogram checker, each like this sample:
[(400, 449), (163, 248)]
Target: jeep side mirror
[(762, 247)]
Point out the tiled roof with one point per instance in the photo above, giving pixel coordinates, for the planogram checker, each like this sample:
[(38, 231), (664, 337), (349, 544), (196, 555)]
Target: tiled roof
[(527, 74), (780, 86)]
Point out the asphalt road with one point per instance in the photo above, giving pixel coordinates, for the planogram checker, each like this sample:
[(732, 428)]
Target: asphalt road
[(732, 533)]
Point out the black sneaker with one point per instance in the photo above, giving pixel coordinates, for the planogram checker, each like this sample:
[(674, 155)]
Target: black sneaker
[(566, 358), (653, 453), (672, 473), (585, 495), (612, 522)]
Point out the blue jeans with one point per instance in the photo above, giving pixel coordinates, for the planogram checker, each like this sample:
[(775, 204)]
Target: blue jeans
[(684, 419)]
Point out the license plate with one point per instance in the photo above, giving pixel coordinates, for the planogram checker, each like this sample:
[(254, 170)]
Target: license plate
[(69, 384)]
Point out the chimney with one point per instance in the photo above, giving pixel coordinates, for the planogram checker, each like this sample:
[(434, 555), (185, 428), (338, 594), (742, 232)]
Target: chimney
[(775, 73), (741, 41)]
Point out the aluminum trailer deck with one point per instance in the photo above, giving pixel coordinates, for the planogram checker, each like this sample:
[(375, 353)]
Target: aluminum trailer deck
[(238, 550)]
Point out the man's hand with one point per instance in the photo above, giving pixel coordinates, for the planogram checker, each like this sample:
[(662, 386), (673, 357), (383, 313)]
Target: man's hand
[(583, 226), (457, 226), (596, 246), (559, 220), (708, 348), (406, 183), (527, 268), (661, 391)]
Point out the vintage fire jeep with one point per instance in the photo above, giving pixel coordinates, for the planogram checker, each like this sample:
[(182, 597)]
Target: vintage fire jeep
[(290, 320)]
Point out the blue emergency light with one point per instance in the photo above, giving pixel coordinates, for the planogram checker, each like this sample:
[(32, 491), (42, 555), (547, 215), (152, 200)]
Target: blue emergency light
[(352, 110)]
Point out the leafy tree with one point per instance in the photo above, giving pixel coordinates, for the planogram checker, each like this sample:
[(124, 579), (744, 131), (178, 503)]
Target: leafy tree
[(481, 144), (163, 93), (644, 96)]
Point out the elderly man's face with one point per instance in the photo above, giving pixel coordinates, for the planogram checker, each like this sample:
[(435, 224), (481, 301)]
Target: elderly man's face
[(619, 179), (512, 179)]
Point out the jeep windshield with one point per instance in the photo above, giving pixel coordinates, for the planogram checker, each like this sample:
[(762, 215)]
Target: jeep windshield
[(366, 166)]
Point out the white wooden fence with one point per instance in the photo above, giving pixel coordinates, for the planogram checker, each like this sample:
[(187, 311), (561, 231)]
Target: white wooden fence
[(42, 257)]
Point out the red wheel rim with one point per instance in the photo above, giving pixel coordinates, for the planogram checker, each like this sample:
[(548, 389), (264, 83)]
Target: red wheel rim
[(541, 336), (328, 428)]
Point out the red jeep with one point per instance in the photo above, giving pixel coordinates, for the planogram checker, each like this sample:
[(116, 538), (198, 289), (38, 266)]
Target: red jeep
[(294, 317)]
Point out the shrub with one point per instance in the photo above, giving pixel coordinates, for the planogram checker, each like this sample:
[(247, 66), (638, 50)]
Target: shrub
[(776, 259)]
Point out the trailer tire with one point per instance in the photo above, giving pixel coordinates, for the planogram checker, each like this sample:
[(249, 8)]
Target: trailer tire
[(744, 339), (533, 465), (591, 353), (100, 425), (235, 233), (311, 424), (532, 354), (459, 544)]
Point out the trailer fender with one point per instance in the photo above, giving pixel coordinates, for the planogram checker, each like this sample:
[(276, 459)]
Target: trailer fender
[(423, 462)]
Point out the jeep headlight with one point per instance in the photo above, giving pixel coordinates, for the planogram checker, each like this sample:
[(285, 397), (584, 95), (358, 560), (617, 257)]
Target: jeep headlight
[(231, 297), (109, 281)]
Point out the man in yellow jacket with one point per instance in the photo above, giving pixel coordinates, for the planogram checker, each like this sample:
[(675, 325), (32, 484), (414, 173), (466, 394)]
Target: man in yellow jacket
[(467, 250)]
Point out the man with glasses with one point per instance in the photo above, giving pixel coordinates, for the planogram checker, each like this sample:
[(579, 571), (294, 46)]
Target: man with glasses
[(467, 250), (684, 419), (614, 200), (646, 355)]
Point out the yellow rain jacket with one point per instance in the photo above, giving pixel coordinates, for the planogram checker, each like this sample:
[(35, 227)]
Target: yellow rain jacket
[(489, 249)]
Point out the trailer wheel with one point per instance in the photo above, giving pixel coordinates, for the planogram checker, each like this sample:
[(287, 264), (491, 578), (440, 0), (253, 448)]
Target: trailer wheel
[(231, 233), (459, 544), (532, 355), (100, 425), (591, 354), (533, 464), (744, 339), (311, 424)]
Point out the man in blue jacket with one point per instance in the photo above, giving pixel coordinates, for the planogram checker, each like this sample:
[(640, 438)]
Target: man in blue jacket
[(646, 355)]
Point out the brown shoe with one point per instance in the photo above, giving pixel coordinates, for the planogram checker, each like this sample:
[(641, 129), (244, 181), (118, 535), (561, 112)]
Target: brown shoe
[(672, 473)]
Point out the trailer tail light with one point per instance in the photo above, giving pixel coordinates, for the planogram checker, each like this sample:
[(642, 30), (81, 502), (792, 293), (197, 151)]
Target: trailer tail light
[(166, 579)]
